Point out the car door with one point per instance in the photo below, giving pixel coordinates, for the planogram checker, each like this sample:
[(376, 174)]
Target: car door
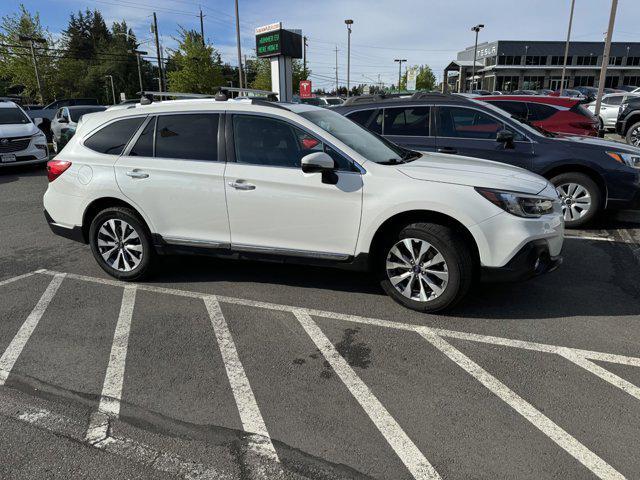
[(462, 130), (409, 127), (609, 109), (275, 207), (174, 171)]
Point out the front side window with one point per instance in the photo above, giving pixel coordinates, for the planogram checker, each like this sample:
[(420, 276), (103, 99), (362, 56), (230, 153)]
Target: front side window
[(188, 136), (467, 123), (112, 139), (613, 100), (411, 121)]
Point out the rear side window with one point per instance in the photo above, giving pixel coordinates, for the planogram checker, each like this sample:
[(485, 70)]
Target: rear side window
[(190, 136), (539, 111), (411, 121), (582, 110), (144, 144), (112, 139)]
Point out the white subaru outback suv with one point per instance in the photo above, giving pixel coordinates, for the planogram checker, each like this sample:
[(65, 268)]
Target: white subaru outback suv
[(297, 183)]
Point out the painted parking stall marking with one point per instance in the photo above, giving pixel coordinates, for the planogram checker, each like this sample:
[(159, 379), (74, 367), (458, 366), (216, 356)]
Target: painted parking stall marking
[(260, 443)]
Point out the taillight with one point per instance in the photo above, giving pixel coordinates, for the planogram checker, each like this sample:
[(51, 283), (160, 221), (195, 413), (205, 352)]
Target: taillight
[(55, 168)]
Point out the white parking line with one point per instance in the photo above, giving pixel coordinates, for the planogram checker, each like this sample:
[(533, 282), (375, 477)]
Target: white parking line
[(603, 373), (572, 446), (250, 416), (114, 377), (14, 349), (399, 441), (19, 277), (590, 237), (473, 337)]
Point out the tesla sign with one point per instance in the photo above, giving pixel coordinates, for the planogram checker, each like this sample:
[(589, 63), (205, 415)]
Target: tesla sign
[(305, 88)]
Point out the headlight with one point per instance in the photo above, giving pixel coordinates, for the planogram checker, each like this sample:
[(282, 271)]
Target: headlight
[(630, 159), (520, 204)]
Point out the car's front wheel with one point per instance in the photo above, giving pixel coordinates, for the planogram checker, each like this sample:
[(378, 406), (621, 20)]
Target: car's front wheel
[(633, 135), (580, 197), (426, 267), (121, 244)]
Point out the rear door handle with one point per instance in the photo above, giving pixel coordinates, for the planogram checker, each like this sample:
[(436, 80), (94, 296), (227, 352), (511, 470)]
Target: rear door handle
[(242, 185), (137, 174), (447, 150)]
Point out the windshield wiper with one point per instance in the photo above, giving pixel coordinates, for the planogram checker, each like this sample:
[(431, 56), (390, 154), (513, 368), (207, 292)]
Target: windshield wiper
[(411, 155), (392, 161)]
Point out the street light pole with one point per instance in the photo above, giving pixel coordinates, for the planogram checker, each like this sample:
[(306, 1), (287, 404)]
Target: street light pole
[(476, 29), (113, 90), (155, 30), (399, 60), (240, 82), (348, 22), (32, 40), (605, 56), (566, 47)]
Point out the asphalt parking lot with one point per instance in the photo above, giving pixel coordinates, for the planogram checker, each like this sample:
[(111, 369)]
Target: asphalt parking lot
[(216, 369)]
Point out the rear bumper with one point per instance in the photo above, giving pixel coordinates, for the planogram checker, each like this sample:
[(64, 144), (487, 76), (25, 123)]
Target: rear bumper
[(75, 233), (531, 261)]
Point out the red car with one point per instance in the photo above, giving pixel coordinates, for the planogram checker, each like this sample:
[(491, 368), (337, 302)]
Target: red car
[(554, 114)]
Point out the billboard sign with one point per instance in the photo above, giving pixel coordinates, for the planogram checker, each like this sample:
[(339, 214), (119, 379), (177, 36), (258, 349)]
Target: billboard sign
[(273, 40)]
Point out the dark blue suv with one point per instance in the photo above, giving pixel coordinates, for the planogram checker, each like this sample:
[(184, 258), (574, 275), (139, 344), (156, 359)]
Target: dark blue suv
[(590, 174)]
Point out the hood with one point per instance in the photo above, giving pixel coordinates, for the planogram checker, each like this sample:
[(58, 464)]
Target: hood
[(473, 172), (598, 142), (18, 130)]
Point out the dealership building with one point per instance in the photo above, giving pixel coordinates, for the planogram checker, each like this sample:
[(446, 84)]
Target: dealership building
[(508, 65)]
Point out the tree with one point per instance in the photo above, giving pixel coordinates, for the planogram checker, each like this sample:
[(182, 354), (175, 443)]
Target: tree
[(262, 75), (17, 75), (425, 80), (195, 68)]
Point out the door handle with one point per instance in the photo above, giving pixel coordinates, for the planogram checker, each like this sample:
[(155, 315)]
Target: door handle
[(242, 185), (137, 174), (447, 150)]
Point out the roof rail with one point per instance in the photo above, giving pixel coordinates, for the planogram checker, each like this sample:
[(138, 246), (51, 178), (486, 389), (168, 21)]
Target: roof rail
[(267, 103), (363, 99)]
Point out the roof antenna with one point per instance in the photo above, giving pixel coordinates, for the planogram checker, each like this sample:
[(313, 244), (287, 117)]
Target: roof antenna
[(221, 96)]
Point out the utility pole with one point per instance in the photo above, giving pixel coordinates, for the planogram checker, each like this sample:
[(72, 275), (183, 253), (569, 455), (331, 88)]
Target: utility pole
[(348, 22), (113, 90), (566, 47), (605, 55), (336, 70), (399, 60), (476, 29), (32, 40), (304, 56), (202, 26), (137, 54), (239, 49), (155, 30)]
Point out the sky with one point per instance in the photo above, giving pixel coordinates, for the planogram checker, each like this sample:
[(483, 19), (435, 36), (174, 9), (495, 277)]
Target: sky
[(427, 32)]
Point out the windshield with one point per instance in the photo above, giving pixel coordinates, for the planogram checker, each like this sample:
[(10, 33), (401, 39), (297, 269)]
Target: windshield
[(367, 144), (524, 126), (9, 116), (79, 112)]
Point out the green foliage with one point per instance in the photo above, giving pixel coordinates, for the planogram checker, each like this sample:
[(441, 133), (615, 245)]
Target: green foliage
[(194, 68), (16, 65), (425, 80), (260, 71)]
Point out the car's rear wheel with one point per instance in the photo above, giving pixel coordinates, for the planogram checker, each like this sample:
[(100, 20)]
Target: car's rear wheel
[(121, 243), (580, 196), (426, 267), (633, 135)]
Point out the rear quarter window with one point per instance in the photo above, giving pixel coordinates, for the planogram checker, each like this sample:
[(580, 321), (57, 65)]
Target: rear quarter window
[(112, 139), (539, 111)]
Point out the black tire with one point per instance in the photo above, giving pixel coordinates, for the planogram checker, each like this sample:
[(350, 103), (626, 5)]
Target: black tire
[(590, 186), (456, 253), (133, 220), (633, 135)]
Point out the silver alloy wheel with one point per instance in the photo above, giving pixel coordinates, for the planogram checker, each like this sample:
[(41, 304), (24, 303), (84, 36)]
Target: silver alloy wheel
[(634, 137), (119, 245), (417, 269), (576, 201)]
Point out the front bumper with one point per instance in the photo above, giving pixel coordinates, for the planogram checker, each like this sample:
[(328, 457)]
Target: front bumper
[(29, 156), (532, 260)]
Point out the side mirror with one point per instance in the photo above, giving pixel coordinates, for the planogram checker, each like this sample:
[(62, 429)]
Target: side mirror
[(505, 137), (317, 162), (37, 121)]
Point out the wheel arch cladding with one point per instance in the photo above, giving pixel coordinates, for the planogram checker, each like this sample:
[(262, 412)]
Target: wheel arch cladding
[(394, 224), (95, 207)]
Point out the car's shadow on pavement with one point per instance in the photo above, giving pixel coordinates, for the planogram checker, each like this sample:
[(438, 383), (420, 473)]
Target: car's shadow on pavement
[(596, 279), (15, 173)]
